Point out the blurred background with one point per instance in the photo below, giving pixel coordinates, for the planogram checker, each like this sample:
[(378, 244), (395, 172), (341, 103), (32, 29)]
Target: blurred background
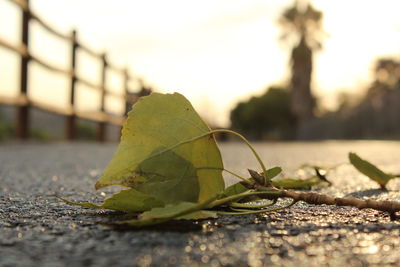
[(270, 69)]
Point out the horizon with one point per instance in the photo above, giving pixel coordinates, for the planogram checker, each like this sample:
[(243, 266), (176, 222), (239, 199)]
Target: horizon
[(214, 53)]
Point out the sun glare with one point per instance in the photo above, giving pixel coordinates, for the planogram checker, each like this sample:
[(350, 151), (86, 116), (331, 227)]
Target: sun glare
[(358, 33)]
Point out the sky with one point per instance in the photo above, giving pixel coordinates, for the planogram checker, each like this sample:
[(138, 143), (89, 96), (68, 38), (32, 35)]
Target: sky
[(215, 52)]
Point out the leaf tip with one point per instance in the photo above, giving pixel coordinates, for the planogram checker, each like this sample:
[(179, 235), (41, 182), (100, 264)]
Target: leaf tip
[(98, 185), (353, 156)]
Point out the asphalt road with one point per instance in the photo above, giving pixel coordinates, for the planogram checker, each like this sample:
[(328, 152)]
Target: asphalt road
[(36, 229)]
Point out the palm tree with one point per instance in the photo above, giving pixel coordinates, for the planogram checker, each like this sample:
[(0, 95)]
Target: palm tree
[(302, 27)]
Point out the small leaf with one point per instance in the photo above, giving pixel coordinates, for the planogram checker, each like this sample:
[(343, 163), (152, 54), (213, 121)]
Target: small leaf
[(128, 200), (312, 180), (240, 188), (234, 189), (279, 182), (297, 183), (271, 173), (155, 155), (182, 210), (262, 179), (370, 170)]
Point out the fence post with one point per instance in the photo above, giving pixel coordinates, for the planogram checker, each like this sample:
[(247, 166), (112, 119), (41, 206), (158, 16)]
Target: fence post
[(22, 124), (70, 124), (101, 130), (126, 91)]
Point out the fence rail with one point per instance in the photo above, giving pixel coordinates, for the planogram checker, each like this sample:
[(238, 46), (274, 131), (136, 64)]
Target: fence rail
[(23, 103)]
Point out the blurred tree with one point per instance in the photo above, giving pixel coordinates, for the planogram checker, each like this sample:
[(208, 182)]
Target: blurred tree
[(383, 100), (302, 28), (375, 115), (387, 76), (265, 117)]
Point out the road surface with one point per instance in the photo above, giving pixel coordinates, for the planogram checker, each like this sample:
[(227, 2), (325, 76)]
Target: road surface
[(37, 229)]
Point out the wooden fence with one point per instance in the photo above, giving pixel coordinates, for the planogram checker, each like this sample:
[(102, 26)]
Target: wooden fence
[(23, 103)]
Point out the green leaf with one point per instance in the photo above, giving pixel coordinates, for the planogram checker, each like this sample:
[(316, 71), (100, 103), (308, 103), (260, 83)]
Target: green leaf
[(279, 182), (271, 173), (297, 183), (128, 200), (159, 154), (312, 180), (240, 188), (284, 183), (180, 211), (370, 170), (234, 189)]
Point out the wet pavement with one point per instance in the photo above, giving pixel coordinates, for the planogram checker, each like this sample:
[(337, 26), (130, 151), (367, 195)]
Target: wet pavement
[(36, 229)]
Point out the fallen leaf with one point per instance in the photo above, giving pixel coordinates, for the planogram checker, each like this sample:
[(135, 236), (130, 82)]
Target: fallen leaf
[(370, 170), (159, 154)]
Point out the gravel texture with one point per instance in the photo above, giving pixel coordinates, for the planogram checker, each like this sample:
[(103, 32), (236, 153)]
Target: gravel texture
[(37, 229)]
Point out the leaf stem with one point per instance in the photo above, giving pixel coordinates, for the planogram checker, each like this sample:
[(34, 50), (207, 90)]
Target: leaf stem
[(240, 177), (267, 180), (271, 193), (242, 211), (246, 180), (319, 199), (252, 206)]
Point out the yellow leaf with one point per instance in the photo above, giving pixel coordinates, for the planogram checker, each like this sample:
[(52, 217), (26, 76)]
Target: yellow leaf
[(156, 157)]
